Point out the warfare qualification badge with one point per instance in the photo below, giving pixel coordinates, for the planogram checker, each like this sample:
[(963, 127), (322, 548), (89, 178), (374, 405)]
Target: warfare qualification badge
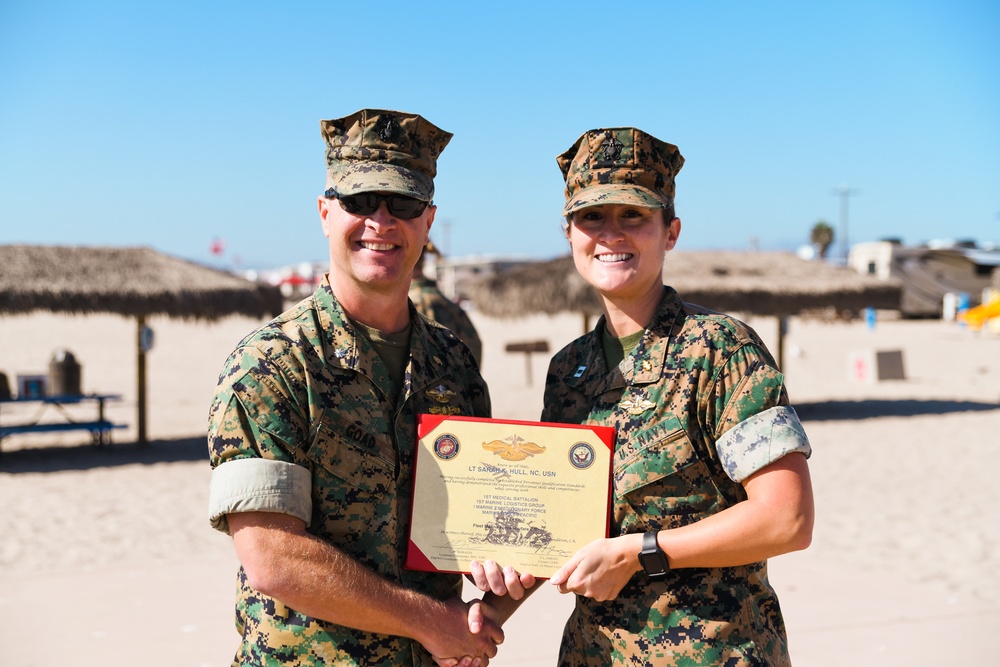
[(440, 393), (636, 405)]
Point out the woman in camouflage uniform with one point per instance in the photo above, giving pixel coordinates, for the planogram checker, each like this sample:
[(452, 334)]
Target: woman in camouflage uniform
[(709, 474)]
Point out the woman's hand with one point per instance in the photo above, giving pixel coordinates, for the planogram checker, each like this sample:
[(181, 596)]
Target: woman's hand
[(489, 577), (601, 569)]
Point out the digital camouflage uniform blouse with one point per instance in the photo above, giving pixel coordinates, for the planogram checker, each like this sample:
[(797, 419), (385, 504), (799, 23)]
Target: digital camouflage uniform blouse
[(697, 407), (302, 424), (432, 303)]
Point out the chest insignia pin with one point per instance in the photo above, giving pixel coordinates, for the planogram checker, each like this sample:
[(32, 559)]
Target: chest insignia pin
[(447, 410), (440, 393), (636, 405)]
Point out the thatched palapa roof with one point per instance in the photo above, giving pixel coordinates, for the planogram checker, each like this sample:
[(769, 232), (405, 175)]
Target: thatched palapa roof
[(126, 281), (762, 283), (136, 282)]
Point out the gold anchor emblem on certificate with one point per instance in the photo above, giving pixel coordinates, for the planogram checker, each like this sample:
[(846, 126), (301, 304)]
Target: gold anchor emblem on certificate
[(636, 405), (441, 394), (514, 448)]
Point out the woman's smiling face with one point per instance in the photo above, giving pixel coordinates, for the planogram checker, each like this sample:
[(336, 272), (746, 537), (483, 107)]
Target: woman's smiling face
[(619, 249)]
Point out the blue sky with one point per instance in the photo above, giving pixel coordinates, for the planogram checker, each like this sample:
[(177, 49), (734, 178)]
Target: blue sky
[(170, 124)]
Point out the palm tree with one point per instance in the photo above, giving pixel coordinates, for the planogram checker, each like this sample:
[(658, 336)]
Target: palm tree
[(821, 236)]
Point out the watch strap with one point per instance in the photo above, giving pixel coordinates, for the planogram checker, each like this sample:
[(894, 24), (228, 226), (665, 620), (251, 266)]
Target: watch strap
[(649, 543), (654, 562)]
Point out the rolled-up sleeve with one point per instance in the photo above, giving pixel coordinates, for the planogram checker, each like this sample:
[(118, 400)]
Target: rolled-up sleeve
[(760, 440), (254, 429), (259, 485)]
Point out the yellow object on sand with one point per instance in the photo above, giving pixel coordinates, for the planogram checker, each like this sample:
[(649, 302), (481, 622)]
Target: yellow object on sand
[(977, 317)]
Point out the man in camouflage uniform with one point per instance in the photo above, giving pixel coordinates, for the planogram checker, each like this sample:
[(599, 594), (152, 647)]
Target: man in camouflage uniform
[(435, 306), (313, 427), (709, 472)]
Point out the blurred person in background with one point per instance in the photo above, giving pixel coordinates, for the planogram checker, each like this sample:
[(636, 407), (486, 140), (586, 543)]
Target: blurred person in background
[(435, 306)]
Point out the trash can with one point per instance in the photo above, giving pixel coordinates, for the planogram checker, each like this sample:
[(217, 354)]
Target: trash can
[(64, 374)]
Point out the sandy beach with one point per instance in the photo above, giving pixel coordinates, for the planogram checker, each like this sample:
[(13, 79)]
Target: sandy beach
[(106, 556)]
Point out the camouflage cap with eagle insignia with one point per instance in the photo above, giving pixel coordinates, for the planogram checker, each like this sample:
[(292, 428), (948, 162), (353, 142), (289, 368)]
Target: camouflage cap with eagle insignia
[(377, 150), (619, 165)]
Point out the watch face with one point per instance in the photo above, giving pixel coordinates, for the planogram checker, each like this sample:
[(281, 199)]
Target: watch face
[(654, 563)]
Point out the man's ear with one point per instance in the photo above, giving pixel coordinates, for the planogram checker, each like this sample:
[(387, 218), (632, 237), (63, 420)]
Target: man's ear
[(324, 212), (431, 212)]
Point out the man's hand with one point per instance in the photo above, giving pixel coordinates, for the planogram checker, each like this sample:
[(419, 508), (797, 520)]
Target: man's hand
[(450, 634), (489, 577), (601, 569), (480, 615)]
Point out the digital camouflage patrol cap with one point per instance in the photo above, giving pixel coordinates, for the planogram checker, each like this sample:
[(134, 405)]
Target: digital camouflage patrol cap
[(619, 165), (375, 150)]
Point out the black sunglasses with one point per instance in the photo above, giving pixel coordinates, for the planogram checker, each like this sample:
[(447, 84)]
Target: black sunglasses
[(400, 206)]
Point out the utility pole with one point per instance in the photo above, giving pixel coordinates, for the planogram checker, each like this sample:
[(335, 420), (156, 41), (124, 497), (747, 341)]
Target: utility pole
[(844, 192)]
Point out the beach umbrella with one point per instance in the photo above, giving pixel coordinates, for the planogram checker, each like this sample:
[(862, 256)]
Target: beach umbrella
[(135, 282), (778, 284)]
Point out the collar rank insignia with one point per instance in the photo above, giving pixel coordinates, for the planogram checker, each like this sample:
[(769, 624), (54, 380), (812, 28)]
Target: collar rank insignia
[(579, 371), (636, 405), (440, 393), (646, 365), (340, 353)]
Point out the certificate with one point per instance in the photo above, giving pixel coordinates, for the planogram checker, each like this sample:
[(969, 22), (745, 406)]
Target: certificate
[(527, 494)]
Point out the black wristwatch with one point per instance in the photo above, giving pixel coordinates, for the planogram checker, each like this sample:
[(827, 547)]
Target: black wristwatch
[(652, 558)]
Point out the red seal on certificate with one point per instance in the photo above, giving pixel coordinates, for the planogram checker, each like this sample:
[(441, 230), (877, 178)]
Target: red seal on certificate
[(446, 447)]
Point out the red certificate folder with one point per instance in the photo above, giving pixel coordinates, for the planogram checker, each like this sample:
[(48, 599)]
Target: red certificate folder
[(527, 494)]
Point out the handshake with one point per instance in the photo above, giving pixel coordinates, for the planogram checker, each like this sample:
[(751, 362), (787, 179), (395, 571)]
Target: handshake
[(473, 630)]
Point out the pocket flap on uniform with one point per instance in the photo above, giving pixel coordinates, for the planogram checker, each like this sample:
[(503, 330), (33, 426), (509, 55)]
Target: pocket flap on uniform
[(351, 454), (652, 454)]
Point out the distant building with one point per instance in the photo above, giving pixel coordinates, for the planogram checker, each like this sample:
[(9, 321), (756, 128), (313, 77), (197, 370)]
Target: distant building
[(296, 281), (928, 272)]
